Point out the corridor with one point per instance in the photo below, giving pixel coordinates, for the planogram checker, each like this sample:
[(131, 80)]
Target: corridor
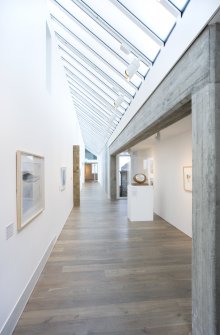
[(108, 276)]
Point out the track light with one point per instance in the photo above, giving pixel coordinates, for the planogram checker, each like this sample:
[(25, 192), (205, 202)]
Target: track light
[(132, 68), (118, 101), (124, 49)]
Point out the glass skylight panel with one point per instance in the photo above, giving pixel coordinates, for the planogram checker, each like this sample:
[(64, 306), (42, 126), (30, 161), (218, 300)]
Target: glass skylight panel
[(105, 68), (90, 81), (86, 90), (93, 116), (97, 75), (124, 105), (81, 105), (180, 4), (90, 23), (94, 59), (89, 96), (92, 88), (125, 27), (101, 50), (143, 69), (93, 119), (136, 80), (153, 14), (89, 104)]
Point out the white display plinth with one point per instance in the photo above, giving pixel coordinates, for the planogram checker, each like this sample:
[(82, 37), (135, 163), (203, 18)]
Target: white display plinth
[(140, 203)]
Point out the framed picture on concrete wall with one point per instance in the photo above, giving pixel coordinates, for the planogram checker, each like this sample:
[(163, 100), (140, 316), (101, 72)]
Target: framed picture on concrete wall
[(187, 178), (62, 178), (30, 187)]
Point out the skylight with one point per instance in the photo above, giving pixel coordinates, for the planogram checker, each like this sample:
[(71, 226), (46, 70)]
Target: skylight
[(108, 48)]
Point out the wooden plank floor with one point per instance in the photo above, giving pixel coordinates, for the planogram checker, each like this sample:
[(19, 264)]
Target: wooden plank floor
[(108, 276)]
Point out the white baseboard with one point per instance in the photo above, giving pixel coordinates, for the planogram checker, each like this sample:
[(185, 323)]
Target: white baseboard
[(10, 324)]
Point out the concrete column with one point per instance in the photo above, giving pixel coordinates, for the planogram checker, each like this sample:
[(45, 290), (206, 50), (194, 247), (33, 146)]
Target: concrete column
[(113, 191), (206, 199), (76, 175)]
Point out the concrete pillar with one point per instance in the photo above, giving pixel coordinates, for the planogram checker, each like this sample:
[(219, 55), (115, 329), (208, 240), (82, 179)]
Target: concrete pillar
[(113, 190), (206, 200), (76, 175)]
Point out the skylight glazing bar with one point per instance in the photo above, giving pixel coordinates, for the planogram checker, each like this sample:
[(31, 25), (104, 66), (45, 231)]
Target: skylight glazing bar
[(139, 23), (90, 120), (95, 126), (108, 123), (107, 126), (87, 30), (109, 110), (121, 39), (92, 93), (81, 105), (95, 133), (92, 65), (107, 114), (92, 74), (103, 118), (93, 52), (90, 96), (88, 88), (72, 75), (171, 7), (91, 103), (88, 104), (91, 117)]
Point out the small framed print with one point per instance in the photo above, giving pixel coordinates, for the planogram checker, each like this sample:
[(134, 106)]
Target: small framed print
[(30, 187), (187, 178), (62, 178)]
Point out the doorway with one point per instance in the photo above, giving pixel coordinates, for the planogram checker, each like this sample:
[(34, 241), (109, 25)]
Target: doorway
[(91, 172), (123, 175)]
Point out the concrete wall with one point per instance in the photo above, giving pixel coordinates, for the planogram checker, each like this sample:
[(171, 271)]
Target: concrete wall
[(195, 78), (36, 116)]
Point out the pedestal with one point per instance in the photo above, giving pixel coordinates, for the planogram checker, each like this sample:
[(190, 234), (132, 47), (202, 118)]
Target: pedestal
[(140, 203)]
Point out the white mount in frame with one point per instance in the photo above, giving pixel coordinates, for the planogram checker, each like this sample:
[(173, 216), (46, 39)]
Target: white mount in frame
[(30, 187)]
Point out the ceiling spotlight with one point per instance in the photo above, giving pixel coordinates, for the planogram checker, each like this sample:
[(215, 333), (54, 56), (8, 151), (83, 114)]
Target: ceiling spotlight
[(132, 68), (118, 101), (124, 49)]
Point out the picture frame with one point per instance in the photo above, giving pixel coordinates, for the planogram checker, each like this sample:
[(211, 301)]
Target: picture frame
[(30, 187), (187, 178), (62, 178)]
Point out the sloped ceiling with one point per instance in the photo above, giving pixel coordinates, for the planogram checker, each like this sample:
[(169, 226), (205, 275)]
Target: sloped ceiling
[(108, 48)]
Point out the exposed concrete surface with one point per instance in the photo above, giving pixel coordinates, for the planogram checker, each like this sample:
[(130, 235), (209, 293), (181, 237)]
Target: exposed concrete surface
[(196, 76)]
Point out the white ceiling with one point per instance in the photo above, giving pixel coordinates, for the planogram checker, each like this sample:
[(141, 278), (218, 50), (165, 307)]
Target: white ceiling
[(178, 128), (98, 41)]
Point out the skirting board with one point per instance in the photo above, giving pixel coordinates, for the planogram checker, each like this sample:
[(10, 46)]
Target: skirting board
[(16, 313)]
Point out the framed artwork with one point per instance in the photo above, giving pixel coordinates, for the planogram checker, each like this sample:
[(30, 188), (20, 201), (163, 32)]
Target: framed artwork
[(62, 178), (187, 178), (30, 187)]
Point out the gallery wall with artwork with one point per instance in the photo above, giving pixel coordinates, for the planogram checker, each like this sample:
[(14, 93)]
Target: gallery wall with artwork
[(166, 160), (38, 129)]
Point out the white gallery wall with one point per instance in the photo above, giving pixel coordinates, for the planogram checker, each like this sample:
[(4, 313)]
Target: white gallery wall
[(171, 201), (170, 152), (37, 116)]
